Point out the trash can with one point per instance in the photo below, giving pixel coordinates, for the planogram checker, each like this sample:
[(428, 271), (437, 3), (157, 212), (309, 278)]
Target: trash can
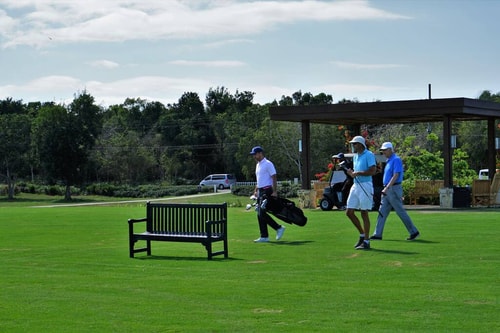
[(461, 197)]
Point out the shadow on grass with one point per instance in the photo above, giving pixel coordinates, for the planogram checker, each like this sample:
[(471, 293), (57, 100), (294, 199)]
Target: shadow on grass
[(392, 251), (417, 241), (16, 199), (216, 258), (293, 243), (49, 200)]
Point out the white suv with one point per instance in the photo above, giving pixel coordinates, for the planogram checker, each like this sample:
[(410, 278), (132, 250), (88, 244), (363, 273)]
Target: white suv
[(222, 181)]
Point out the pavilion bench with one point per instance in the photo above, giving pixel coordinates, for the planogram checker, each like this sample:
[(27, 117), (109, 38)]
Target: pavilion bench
[(195, 223)]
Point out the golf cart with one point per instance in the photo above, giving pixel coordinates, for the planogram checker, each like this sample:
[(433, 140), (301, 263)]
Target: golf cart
[(336, 193), (340, 184)]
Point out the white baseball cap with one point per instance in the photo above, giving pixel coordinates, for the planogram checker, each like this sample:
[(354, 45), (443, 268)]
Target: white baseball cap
[(387, 145), (358, 139)]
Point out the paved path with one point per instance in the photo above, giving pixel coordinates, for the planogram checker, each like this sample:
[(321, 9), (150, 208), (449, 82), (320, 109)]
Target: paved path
[(131, 201)]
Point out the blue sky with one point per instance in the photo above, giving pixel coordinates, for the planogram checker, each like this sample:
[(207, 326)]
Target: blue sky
[(159, 49)]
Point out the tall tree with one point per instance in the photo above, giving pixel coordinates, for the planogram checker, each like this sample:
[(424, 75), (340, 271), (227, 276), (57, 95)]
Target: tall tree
[(14, 147), (185, 131), (64, 138), (486, 95), (88, 121), (10, 106), (227, 114)]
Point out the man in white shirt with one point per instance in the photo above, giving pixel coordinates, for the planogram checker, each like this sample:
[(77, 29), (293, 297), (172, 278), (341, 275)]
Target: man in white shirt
[(267, 185)]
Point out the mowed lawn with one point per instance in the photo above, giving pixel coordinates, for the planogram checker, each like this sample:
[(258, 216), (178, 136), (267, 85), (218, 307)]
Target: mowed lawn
[(66, 269)]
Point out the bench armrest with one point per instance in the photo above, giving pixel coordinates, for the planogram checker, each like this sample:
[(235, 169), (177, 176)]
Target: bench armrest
[(131, 221), (211, 223), (219, 226)]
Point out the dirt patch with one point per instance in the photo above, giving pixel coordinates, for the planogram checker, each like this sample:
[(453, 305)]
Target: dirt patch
[(260, 310), (257, 262)]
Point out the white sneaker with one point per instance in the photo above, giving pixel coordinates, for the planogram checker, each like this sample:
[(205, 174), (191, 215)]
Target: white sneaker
[(280, 232), (262, 240)]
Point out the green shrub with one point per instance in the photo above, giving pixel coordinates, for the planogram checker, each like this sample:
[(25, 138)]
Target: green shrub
[(243, 190), (54, 190), (140, 191), (105, 189), (285, 190)]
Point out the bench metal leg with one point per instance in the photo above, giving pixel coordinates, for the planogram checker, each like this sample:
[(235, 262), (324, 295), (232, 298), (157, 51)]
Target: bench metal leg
[(208, 246), (211, 253), (132, 249), (226, 253)]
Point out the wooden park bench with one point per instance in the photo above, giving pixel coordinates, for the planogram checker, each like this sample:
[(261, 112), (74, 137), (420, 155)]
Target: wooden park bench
[(195, 223), (425, 189), (484, 192), (495, 189), (481, 192)]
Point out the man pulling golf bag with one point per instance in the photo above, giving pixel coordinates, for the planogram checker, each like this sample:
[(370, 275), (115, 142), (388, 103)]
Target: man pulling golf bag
[(285, 210)]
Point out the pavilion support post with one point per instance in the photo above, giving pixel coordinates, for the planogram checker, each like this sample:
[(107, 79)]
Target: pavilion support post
[(356, 129), (491, 148), (306, 155), (447, 153)]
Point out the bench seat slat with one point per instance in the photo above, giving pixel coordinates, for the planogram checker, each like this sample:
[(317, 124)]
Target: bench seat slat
[(159, 233)]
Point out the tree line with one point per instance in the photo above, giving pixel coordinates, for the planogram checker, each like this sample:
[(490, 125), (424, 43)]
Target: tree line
[(140, 141)]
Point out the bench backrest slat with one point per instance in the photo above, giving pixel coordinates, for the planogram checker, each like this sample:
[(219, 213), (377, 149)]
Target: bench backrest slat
[(183, 218)]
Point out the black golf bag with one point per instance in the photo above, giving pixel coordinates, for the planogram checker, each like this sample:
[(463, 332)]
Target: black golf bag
[(285, 210)]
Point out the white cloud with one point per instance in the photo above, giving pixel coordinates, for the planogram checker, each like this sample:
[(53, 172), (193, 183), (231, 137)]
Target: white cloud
[(47, 83), (157, 88), (222, 43), (166, 90), (352, 65), (359, 90), (7, 23), (43, 89), (358, 87), (120, 20), (107, 64), (216, 63)]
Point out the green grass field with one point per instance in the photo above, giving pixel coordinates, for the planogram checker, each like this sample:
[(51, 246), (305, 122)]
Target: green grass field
[(66, 269)]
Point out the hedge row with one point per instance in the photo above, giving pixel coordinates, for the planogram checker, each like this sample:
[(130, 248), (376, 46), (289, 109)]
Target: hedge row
[(140, 191), (285, 190), (106, 189)]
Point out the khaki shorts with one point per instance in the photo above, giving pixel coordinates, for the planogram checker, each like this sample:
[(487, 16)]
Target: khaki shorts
[(361, 196)]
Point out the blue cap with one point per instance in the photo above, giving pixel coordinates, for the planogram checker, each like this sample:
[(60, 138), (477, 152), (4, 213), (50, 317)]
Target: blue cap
[(256, 149)]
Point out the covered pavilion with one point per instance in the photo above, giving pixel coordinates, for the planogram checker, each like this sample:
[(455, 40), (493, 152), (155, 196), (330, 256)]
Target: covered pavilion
[(444, 110)]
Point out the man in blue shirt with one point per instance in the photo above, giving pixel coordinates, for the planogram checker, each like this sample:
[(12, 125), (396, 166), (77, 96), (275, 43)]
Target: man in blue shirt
[(361, 193), (392, 194)]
